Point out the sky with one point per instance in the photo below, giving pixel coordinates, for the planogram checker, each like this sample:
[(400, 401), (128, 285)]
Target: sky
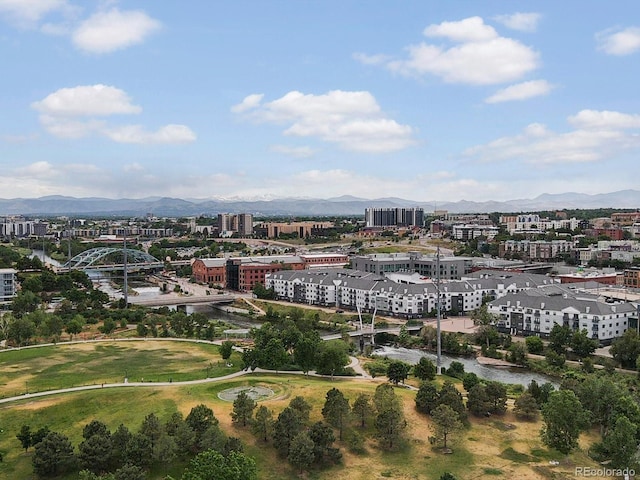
[(251, 99)]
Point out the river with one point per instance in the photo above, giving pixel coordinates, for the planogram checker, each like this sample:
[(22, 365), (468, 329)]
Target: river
[(505, 375)]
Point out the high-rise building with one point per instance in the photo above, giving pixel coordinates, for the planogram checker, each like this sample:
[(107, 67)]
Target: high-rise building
[(229, 223), (394, 217)]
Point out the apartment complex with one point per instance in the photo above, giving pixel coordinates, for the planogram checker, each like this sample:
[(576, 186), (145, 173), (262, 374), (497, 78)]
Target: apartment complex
[(19, 227), (535, 312), (7, 285), (301, 229), (393, 217), (451, 268), (367, 291), (243, 273), (230, 223)]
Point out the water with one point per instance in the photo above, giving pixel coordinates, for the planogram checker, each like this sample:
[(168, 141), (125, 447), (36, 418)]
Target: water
[(214, 313), (504, 375)]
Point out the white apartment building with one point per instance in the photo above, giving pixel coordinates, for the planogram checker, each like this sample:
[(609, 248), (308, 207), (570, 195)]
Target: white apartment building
[(535, 312), (7, 285), (353, 290)]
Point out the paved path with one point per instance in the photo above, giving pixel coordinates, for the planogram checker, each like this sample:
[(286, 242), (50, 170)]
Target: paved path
[(354, 363)]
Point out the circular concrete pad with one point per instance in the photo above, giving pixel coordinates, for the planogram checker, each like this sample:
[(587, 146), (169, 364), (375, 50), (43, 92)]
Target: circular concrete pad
[(256, 393)]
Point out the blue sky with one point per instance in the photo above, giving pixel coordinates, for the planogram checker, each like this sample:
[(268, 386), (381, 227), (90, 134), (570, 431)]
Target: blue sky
[(423, 100)]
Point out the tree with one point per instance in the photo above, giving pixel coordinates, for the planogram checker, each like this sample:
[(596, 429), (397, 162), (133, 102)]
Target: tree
[(559, 338), (426, 398), (470, 380), (53, 455), (139, 451), (119, 442), (200, 418), (212, 465), (398, 371), (95, 427), (322, 436), (25, 301), (151, 428), (129, 472), (274, 355), (336, 410), (564, 419), (449, 395), (478, 401), (425, 369), (626, 349), (24, 435), (301, 407), (331, 357), (517, 353), (361, 408), (535, 345), (390, 425), (497, 395), (620, 443), (582, 345), (555, 359), (445, 423), (20, 331), (262, 425), (226, 349), (526, 407), (243, 407), (285, 428), (304, 353), (38, 435), (94, 453), (74, 327), (385, 398), (301, 452)]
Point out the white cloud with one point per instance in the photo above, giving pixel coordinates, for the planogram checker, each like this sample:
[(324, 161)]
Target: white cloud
[(594, 119), (87, 100), (353, 120), (112, 30), (471, 29), (79, 111), (598, 136), (137, 134), (134, 167), (525, 22), (27, 13), (479, 56), (619, 42), (365, 59), (297, 152), (248, 103), (521, 91)]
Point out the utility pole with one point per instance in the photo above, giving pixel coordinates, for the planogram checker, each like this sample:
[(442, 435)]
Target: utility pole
[(439, 313), (125, 286)]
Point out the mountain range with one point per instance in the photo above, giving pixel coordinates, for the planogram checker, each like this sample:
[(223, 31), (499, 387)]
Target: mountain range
[(344, 205)]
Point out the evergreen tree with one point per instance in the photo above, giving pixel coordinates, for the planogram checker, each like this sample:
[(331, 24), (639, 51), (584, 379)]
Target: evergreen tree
[(262, 425), (336, 410), (362, 408), (285, 428), (445, 423), (243, 407)]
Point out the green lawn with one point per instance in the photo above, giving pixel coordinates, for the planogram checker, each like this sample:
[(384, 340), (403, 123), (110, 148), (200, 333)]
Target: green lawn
[(50, 368)]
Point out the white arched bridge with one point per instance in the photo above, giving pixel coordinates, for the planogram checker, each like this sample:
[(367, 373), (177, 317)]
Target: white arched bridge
[(112, 258)]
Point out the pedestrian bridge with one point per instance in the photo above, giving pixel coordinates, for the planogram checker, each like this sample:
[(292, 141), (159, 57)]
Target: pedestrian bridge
[(169, 300), (112, 259), (368, 332)]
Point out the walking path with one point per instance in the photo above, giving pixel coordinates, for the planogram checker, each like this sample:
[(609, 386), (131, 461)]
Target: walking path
[(354, 364)]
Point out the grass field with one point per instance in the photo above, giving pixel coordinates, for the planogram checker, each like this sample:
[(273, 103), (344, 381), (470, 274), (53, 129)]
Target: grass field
[(497, 448), (62, 366)]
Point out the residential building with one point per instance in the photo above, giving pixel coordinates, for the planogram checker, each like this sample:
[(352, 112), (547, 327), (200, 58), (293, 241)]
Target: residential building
[(450, 267), (394, 217), (7, 285), (229, 223), (466, 232), (301, 229), (631, 277), (369, 292), (536, 311)]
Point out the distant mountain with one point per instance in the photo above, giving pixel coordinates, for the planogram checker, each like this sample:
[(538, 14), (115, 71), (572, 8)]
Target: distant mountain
[(344, 205)]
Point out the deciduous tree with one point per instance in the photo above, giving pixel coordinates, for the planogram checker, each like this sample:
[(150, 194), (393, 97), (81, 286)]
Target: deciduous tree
[(564, 419)]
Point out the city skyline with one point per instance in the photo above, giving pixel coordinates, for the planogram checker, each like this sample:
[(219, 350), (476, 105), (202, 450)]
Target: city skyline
[(421, 100)]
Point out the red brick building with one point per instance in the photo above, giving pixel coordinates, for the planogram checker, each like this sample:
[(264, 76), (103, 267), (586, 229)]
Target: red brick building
[(210, 270)]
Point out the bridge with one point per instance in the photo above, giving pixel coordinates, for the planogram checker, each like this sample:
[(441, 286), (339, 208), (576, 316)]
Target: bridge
[(368, 332), (167, 300), (112, 259)]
